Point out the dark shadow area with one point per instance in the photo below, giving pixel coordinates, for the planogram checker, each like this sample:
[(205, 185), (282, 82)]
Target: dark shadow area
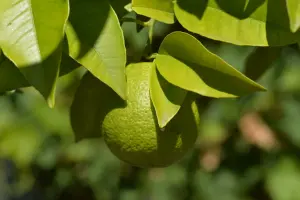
[(240, 9), (40, 75), (88, 19), (278, 24), (43, 75), (129, 180), (136, 39), (175, 94), (183, 126), (77, 191), (10, 76), (192, 167), (91, 103), (258, 192), (67, 64), (118, 6), (241, 158), (196, 8), (260, 60)]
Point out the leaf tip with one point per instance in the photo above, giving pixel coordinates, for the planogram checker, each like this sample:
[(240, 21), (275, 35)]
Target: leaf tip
[(294, 27), (51, 102), (261, 88), (162, 123)]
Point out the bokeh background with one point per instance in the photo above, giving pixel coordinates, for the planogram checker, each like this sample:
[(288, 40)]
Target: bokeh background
[(248, 148)]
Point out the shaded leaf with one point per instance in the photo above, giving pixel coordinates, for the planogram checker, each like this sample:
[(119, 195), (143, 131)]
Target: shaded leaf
[(186, 63), (120, 6), (31, 33), (136, 40), (166, 98), (255, 22), (260, 60), (161, 10), (87, 110), (99, 44), (293, 8), (11, 77), (67, 65)]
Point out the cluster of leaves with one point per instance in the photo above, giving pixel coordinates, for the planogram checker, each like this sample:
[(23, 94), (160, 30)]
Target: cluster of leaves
[(225, 162), (43, 40)]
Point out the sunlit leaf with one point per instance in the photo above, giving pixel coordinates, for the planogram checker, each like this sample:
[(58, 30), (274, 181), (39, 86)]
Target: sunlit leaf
[(166, 97), (186, 63), (255, 22), (31, 33), (293, 8), (161, 10), (96, 41)]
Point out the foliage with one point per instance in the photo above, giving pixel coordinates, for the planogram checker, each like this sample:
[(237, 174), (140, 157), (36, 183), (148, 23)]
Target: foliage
[(217, 49)]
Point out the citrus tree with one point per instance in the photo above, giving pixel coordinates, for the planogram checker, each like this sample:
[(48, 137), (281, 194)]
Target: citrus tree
[(145, 62)]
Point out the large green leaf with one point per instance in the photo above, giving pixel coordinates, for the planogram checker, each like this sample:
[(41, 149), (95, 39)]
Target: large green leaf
[(161, 10), (293, 8), (255, 23), (165, 97), (31, 32), (11, 77), (96, 41), (87, 110), (186, 63)]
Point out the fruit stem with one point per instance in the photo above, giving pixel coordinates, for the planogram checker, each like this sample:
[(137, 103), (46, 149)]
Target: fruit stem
[(152, 56), (139, 22), (150, 24)]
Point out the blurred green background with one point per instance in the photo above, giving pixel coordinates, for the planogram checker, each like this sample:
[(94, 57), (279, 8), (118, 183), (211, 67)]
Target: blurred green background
[(248, 148)]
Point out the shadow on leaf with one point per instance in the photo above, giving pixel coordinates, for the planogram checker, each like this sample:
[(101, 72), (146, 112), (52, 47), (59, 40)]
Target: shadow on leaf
[(241, 9), (88, 19), (92, 102)]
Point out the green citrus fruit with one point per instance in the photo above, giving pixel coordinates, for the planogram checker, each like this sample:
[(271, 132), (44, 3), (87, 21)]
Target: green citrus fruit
[(132, 133)]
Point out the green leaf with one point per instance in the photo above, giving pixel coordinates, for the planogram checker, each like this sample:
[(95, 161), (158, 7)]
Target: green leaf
[(161, 10), (87, 110), (136, 40), (293, 8), (67, 65), (120, 6), (186, 63), (282, 180), (166, 98), (31, 32), (260, 60), (96, 41), (11, 77), (256, 23)]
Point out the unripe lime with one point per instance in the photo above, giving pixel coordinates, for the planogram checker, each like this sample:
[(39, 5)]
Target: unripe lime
[(132, 132)]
